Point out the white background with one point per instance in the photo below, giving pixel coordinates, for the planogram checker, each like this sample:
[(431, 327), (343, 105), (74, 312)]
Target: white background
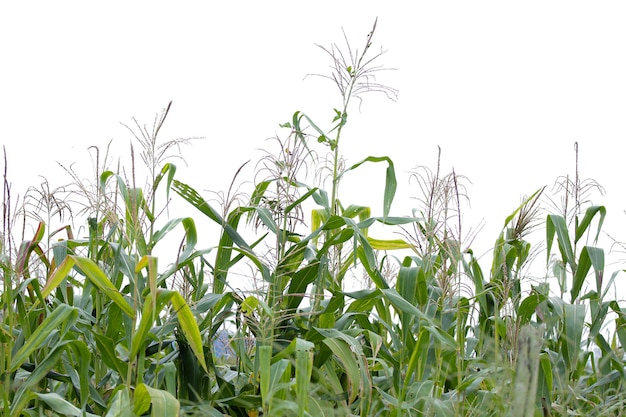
[(505, 89)]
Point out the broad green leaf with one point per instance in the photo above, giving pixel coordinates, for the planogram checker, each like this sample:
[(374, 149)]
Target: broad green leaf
[(598, 317), (395, 221), (63, 315), (388, 244), (407, 285), (100, 280), (390, 180), (354, 210), (528, 306), (527, 372), (163, 403), (402, 304), (24, 392), (57, 276), (321, 198), (300, 200), (192, 197), (320, 407), (546, 371), (442, 408), (418, 361), (304, 369), (259, 192), (121, 405), (170, 170), (620, 322), (299, 283), (350, 365), (81, 364), (589, 256), (556, 224), (590, 213), (148, 314), (108, 354), (334, 222), (267, 218), (60, 405), (574, 318), (189, 326), (264, 353), (371, 268), (191, 235), (250, 304)]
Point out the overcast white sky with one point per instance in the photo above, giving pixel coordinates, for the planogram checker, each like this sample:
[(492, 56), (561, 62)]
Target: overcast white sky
[(504, 88)]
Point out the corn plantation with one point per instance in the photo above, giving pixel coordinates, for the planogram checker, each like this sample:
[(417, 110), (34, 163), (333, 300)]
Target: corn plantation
[(93, 324)]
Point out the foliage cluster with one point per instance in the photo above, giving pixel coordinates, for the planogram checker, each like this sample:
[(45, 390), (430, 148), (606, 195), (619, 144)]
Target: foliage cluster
[(93, 325)]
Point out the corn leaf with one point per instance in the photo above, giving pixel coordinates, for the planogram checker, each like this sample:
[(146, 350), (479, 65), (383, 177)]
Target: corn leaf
[(390, 180), (60, 405), (189, 326), (163, 403), (63, 315)]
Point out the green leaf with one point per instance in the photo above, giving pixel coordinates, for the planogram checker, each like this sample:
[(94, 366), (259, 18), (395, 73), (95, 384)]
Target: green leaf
[(61, 406), (314, 126), (191, 235), (266, 217), (106, 350), (264, 357), (388, 244), (546, 371), (24, 392), (100, 280), (189, 326), (556, 224), (82, 358), (590, 213), (57, 276), (121, 405), (63, 315), (390, 181), (527, 372), (304, 368), (574, 318), (620, 323), (589, 256), (528, 306), (169, 169), (151, 308), (350, 365), (299, 283), (299, 201), (163, 403)]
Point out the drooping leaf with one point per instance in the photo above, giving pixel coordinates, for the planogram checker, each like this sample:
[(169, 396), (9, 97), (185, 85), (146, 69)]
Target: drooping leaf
[(189, 326), (57, 276), (100, 280), (590, 213), (390, 180)]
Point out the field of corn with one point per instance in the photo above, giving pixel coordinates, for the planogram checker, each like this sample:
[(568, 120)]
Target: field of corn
[(98, 318)]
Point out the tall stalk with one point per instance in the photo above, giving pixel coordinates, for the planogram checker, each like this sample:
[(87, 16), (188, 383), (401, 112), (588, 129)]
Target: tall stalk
[(354, 74), (6, 312)]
